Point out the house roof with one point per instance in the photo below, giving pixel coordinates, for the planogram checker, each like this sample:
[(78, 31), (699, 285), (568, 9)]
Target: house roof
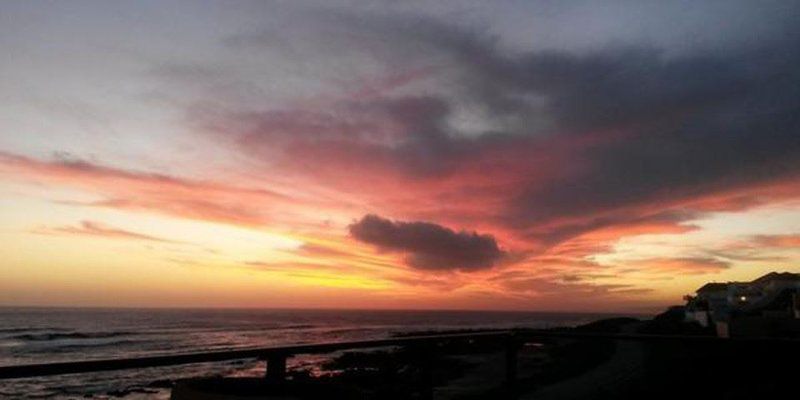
[(713, 287), (778, 276), (770, 277)]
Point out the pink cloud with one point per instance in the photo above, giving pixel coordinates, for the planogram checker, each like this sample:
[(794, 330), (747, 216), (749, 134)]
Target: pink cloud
[(790, 241), (122, 189)]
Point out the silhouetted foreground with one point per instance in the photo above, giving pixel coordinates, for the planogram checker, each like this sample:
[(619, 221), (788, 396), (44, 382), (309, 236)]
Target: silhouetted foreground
[(558, 368), (620, 358), (725, 370)]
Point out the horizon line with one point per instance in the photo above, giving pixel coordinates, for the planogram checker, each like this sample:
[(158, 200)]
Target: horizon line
[(258, 308)]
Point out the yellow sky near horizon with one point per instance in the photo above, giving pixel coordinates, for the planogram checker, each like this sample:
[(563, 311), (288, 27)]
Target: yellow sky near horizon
[(185, 263)]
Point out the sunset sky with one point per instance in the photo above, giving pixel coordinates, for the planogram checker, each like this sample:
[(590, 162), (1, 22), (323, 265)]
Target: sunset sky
[(526, 155)]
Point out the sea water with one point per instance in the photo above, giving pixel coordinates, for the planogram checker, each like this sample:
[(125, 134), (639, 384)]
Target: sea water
[(42, 335)]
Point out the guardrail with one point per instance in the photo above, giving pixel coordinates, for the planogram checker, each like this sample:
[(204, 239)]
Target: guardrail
[(276, 356)]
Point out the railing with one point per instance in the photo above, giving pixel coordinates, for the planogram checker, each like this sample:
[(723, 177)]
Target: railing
[(276, 356)]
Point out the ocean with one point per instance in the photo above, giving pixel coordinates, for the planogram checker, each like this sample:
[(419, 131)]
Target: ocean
[(41, 335)]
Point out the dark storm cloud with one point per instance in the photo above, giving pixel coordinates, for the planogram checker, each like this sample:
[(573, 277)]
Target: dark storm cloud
[(693, 124), (429, 246), (696, 124), (665, 128)]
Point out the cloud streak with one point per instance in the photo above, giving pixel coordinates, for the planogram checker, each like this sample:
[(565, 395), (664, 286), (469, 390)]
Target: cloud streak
[(686, 265), (129, 190), (791, 241), (92, 228)]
